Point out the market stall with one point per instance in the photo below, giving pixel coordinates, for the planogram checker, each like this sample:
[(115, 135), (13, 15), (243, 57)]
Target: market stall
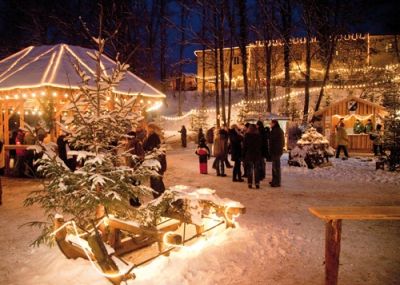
[(37, 82), (39, 77), (356, 114)]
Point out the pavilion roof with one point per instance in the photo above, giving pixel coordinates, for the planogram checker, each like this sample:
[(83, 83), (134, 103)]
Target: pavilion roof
[(53, 66)]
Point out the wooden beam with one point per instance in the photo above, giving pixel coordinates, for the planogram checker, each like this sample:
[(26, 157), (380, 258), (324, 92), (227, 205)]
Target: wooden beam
[(332, 251), (357, 213)]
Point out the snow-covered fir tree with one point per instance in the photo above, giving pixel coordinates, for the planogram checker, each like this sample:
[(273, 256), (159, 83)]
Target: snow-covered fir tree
[(391, 138), (199, 119), (244, 112), (311, 150), (97, 129)]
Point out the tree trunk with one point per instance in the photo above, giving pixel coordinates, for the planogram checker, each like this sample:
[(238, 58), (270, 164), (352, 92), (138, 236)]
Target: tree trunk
[(181, 50), (307, 78), (286, 16), (243, 43), (203, 56), (163, 45), (217, 109), (327, 70), (222, 61)]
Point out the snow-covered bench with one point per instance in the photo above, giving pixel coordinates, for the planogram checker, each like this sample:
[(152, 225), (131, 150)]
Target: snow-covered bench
[(333, 217)]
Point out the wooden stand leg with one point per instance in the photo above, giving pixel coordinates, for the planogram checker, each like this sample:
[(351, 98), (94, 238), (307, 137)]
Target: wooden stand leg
[(332, 251)]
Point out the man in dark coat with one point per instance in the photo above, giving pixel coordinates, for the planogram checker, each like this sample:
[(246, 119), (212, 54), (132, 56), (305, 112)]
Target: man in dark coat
[(236, 138), (183, 136), (252, 153), (277, 142)]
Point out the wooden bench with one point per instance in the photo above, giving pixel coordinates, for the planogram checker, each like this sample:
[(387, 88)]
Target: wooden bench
[(333, 217)]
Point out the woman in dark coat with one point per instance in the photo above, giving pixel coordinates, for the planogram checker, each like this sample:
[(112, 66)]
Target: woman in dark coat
[(183, 136), (236, 139), (204, 154), (200, 135), (252, 153)]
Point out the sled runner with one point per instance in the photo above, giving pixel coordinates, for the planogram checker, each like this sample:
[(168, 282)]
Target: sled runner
[(191, 214)]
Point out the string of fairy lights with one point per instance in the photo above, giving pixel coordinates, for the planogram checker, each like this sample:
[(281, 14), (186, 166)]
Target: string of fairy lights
[(278, 98), (150, 105)]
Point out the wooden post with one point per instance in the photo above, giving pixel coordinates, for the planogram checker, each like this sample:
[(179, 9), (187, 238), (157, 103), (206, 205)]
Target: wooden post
[(332, 251), (6, 119)]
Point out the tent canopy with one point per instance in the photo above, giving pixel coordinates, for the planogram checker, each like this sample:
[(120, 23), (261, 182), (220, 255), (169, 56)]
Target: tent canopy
[(53, 66)]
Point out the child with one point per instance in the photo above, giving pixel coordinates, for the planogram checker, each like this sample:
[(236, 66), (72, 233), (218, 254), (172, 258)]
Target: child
[(204, 154)]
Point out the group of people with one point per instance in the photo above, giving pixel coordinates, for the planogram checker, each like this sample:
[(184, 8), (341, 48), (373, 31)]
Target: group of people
[(375, 135), (21, 160), (250, 146)]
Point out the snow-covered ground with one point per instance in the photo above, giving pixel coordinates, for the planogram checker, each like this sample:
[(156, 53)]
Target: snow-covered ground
[(278, 241)]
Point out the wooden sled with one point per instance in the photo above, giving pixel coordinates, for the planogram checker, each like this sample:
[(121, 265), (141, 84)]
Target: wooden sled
[(107, 245)]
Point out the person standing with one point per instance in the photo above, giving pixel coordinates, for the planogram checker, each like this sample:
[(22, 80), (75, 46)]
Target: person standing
[(236, 139), (277, 142), (369, 127), (342, 141), (219, 153), (264, 148), (378, 140), (153, 141), (183, 136), (200, 135), (204, 154), (252, 153)]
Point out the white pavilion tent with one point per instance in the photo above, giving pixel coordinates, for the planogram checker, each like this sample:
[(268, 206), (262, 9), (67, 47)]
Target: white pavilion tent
[(48, 70)]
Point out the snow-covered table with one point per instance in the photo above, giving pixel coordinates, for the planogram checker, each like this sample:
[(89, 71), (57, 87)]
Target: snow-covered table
[(333, 217)]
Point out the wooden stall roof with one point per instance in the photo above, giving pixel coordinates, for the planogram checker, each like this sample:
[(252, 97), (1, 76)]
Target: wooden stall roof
[(362, 101)]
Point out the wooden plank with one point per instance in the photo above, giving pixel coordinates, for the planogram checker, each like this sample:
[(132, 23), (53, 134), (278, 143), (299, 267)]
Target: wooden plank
[(333, 230), (357, 213), (14, 146)]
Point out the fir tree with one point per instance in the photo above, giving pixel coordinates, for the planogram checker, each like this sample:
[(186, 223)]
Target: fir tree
[(391, 100), (199, 120), (244, 111), (97, 132)]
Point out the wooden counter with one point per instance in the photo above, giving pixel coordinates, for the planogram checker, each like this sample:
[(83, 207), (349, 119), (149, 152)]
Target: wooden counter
[(357, 143)]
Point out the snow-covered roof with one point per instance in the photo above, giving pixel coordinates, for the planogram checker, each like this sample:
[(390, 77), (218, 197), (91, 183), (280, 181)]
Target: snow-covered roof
[(349, 98), (52, 66)]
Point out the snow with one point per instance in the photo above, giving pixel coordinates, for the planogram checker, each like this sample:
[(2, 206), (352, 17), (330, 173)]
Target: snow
[(35, 67), (278, 240)]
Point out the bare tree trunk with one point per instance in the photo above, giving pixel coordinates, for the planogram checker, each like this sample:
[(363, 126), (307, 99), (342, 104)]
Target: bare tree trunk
[(307, 77), (181, 50), (203, 56), (217, 107), (243, 43), (221, 60), (163, 44), (231, 20), (286, 16), (327, 70), (268, 75)]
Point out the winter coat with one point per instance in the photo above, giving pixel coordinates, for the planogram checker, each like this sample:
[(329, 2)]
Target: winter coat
[(210, 136), (369, 128), (277, 142), (358, 128), (203, 152), (220, 147), (200, 136), (62, 148), (236, 144), (152, 142), (252, 148), (378, 137), (135, 147), (264, 142), (341, 136), (183, 132)]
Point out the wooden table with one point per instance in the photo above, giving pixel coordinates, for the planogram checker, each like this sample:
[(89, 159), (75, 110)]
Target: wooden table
[(333, 217)]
